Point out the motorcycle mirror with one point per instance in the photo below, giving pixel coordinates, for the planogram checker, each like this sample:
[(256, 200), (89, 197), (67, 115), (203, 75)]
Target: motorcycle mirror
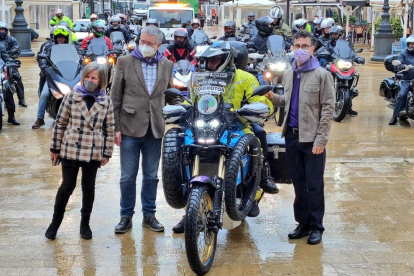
[(396, 62), (172, 92), (213, 37), (359, 50), (291, 54), (261, 90)]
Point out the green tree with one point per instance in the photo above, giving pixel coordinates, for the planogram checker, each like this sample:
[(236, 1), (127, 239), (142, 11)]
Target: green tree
[(397, 28)]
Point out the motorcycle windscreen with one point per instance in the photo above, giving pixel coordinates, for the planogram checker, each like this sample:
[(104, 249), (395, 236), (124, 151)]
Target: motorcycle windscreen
[(275, 45), (97, 46), (207, 87), (183, 67), (343, 50), (66, 59), (116, 36), (199, 37)]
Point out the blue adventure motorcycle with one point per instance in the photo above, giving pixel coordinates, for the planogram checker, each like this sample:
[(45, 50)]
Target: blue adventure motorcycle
[(209, 164)]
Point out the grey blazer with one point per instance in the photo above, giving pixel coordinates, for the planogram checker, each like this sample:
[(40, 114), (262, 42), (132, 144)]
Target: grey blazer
[(134, 107)]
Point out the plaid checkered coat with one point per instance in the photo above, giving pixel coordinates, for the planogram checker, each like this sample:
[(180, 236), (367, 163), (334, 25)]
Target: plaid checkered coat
[(81, 134)]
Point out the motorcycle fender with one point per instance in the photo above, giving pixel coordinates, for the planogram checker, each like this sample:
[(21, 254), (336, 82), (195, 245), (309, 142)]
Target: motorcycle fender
[(343, 77)]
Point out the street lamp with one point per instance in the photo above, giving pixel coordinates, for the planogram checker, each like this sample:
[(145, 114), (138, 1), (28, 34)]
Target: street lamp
[(21, 32), (384, 36)]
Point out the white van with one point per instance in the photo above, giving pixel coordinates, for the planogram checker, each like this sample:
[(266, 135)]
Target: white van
[(141, 9), (171, 17)]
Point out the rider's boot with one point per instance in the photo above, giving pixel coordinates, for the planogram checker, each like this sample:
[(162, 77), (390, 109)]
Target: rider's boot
[(352, 112), (11, 118), (267, 183), (393, 121)]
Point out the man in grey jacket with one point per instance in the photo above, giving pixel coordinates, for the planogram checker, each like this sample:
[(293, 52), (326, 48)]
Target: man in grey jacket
[(138, 98), (309, 102)]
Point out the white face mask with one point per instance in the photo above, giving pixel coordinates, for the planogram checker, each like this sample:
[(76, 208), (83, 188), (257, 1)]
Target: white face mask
[(146, 51)]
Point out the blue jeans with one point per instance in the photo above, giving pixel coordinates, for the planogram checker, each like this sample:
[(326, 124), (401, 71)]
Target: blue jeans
[(131, 148), (307, 170), (401, 98), (44, 97)]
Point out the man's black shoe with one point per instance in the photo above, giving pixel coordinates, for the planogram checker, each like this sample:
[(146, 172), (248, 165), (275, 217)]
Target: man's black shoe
[(22, 103), (268, 185), (300, 232), (152, 223), (315, 236), (255, 210), (393, 121), (124, 225), (179, 228), (352, 112)]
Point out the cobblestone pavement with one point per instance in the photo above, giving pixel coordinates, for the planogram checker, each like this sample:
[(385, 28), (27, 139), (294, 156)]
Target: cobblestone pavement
[(369, 207)]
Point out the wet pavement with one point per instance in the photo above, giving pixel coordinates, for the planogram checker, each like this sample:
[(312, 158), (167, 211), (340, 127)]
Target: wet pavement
[(368, 221)]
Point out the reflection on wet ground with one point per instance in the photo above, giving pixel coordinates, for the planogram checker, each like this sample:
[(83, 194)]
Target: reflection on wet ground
[(369, 207)]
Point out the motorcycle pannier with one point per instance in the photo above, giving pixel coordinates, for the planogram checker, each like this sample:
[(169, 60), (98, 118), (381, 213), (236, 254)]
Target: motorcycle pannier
[(276, 156), (388, 62)]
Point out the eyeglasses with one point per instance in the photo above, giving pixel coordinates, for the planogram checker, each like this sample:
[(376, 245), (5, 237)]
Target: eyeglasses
[(303, 46), (143, 42)]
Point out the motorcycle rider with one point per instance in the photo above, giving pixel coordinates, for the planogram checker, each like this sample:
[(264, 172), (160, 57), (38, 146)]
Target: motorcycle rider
[(93, 17), (317, 30), (323, 41), (60, 36), (152, 22), (59, 16), (218, 58), (97, 30), (194, 24), (181, 49), (279, 27), (299, 24), (230, 32), (251, 24), (115, 26), (8, 94), (264, 30), (406, 58), (13, 49)]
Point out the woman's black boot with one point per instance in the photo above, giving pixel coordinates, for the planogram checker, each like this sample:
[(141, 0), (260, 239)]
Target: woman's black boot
[(85, 230), (62, 198)]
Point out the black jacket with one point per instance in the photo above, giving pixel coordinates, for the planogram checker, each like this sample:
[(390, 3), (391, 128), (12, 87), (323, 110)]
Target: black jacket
[(406, 58), (11, 45), (3, 53), (260, 41), (125, 32)]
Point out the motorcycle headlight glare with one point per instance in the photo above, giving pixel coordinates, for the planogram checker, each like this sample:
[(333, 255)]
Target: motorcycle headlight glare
[(344, 65), (268, 75), (200, 123), (214, 123), (63, 88), (87, 60), (278, 66), (177, 83), (101, 60)]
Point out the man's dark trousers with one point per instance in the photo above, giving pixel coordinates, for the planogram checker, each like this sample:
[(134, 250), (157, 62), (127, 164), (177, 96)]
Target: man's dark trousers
[(307, 170)]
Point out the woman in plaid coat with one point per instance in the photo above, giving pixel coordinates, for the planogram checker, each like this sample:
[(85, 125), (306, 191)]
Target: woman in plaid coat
[(83, 137)]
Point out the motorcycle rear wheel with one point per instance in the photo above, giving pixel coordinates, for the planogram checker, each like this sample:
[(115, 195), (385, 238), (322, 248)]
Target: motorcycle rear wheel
[(342, 104), (239, 198), (200, 242)]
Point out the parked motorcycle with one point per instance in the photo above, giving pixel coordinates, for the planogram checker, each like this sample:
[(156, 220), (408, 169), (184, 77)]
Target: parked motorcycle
[(345, 77), (63, 74), (273, 67), (209, 164)]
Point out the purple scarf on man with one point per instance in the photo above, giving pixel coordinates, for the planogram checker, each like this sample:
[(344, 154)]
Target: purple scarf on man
[(95, 94), (149, 61)]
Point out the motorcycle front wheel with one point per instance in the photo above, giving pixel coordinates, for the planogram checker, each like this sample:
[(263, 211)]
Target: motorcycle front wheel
[(280, 116), (200, 242), (342, 104)]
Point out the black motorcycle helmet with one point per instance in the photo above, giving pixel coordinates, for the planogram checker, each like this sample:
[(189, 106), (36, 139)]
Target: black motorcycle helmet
[(3, 35), (241, 55), (230, 29), (336, 32), (264, 25), (180, 32)]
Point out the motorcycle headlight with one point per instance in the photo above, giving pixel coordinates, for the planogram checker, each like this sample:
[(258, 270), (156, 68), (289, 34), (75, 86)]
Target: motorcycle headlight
[(268, 75), (278, 66), (132, 45), (101, 60), (206, 131), (344, 65), (63, 88), (87, 60), (177, 83)]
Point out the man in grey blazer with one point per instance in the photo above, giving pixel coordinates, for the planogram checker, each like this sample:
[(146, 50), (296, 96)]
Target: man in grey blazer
[(138, 98)]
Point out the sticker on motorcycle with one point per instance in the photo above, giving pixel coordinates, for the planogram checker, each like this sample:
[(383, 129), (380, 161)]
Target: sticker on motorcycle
[(209, 89), (207, 104)]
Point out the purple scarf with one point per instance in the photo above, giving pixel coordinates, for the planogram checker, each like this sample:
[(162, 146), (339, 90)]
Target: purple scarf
[(149, 61), (95, 94)]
